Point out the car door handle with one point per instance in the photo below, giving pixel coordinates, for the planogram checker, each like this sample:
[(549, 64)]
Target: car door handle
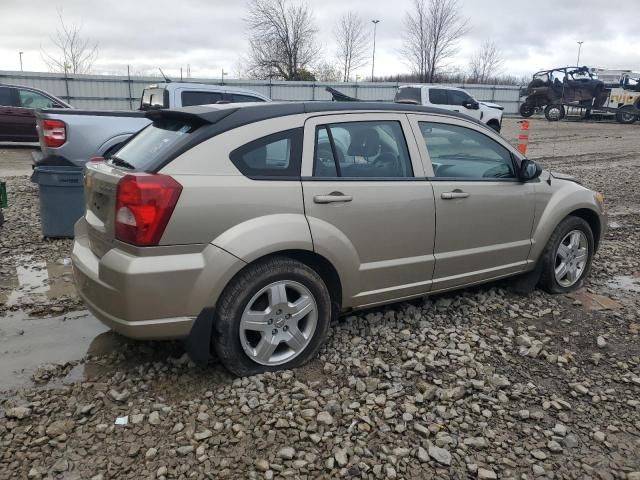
[(333, 197), (454, 194)]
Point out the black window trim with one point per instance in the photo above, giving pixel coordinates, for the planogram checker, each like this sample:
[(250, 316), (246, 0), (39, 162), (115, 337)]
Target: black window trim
[(295, 135), (358, 179)]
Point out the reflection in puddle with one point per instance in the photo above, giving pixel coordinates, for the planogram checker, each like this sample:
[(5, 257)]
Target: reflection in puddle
[(35, 281), (624, 282), (27, 343)]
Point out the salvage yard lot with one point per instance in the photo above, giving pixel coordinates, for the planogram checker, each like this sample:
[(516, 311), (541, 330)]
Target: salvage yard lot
[(481, 383)]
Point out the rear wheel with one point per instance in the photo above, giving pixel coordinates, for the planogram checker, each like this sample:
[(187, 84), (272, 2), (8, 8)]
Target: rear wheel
[(566, 259), (527, 110), (553, 113), (274, 315), (627, 115)]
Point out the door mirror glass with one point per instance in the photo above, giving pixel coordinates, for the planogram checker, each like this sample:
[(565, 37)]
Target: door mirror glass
[(529, 170)]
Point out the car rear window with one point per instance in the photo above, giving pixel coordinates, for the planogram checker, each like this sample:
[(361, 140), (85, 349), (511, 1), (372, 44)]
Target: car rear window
[(142, 151), (409, 95), (154, 98)]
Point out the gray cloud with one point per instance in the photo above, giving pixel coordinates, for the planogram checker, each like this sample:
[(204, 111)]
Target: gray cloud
[(210, 34)]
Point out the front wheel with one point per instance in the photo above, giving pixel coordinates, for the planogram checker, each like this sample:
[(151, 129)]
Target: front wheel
[(274, 315), (527, 110), (553, 113), (566, 260)]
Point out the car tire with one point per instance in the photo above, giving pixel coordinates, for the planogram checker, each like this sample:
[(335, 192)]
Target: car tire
[(552, 278), (526, 110), (627, 115), (555, 112), (256, 311)]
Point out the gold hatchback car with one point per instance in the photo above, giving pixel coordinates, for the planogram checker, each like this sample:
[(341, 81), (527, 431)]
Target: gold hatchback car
[(246, 228)]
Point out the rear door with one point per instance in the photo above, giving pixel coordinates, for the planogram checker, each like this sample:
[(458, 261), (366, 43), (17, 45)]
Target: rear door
[(368, 205), (9, 129), (484, 214)]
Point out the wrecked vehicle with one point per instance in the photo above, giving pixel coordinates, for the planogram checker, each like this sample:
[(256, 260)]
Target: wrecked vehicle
[(557, 88)]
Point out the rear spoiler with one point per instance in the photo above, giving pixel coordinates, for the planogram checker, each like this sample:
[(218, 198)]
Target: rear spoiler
[(197, 114)]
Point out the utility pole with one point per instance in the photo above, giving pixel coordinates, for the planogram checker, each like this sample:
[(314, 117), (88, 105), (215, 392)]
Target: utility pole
[(223, 73), (579, 49), (21, 60), (373, 62)]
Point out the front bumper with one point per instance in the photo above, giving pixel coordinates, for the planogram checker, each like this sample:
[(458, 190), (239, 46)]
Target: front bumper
[(149, 297)]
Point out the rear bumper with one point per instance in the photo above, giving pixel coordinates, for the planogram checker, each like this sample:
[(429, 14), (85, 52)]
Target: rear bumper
[(149, 297), (39, 159)]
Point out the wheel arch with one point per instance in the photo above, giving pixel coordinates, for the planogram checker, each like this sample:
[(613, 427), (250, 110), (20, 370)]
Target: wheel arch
[(593, 220)]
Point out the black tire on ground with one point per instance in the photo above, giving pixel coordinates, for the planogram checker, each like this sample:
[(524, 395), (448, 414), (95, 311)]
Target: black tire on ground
[(627, 115), (234, 299), (553, 113), (527, 110), (548, 258), (494, 124)]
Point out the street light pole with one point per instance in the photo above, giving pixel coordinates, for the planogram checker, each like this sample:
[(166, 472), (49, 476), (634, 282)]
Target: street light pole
[(21, 60), (579, 49), (373, 62)]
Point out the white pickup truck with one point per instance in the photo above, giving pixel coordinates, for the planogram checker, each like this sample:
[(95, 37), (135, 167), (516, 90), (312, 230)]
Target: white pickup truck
[(454, 99), (68, 139)]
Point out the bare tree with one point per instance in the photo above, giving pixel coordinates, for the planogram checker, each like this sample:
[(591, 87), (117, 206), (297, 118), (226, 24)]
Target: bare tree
[(486, 63), (74, 52), (282, 39), (432, 31), (352, 42), (326, 71)]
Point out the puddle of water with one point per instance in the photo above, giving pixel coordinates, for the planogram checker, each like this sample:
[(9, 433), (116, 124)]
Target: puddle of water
[(27, 343), (36, 281), (624, 282), (614, 225)]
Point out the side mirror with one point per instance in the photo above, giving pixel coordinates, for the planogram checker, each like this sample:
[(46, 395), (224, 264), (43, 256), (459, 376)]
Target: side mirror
[(529, 170), (471, 105)]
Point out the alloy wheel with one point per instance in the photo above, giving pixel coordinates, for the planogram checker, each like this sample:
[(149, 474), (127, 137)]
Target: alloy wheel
[(571, 258), (278, 323)]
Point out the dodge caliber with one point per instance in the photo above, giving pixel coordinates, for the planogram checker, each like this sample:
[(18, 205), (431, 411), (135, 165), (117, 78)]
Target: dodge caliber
[(244, 229)]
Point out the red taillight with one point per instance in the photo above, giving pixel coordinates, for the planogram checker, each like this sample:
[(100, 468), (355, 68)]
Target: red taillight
[(54, 133), (144, 205)]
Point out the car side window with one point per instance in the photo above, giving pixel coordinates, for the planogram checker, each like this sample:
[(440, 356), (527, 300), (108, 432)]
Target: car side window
[(438, 96), (191, 97), (277, 155), (460, 152), (29, 99), (6, 97), (373, 149), (239, 98), (458, 98)]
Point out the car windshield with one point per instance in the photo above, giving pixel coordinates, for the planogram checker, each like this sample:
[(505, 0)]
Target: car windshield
[(144, 148)]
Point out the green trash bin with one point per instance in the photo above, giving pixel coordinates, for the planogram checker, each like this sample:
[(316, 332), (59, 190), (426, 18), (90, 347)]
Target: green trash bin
[(61, 199)]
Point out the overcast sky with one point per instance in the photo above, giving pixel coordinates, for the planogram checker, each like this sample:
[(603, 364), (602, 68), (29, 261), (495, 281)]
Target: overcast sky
[(210, 35)]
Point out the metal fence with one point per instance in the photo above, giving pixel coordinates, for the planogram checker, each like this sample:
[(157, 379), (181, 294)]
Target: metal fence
[(111, 92)]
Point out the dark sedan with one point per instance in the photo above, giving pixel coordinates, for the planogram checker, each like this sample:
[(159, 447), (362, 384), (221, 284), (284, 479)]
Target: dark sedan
[(18, 107)]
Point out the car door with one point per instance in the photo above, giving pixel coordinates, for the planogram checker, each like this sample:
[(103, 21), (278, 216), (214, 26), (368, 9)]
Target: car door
[(458, 101), (25, 114), (9, 121), (369, 208), (484, 214)]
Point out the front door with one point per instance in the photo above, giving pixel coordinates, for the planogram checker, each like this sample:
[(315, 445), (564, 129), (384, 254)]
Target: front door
[(369, 207), (484, 214)]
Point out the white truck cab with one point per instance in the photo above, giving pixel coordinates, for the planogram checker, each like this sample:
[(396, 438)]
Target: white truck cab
[(454, 99)]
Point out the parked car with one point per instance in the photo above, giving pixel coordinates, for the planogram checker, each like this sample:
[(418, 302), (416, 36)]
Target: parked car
[(18, 106), (246, 229), (454, 99), (74, 136)]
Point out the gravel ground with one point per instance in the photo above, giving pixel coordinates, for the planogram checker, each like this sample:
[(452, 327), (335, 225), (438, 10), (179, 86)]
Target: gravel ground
[(480, 383)]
